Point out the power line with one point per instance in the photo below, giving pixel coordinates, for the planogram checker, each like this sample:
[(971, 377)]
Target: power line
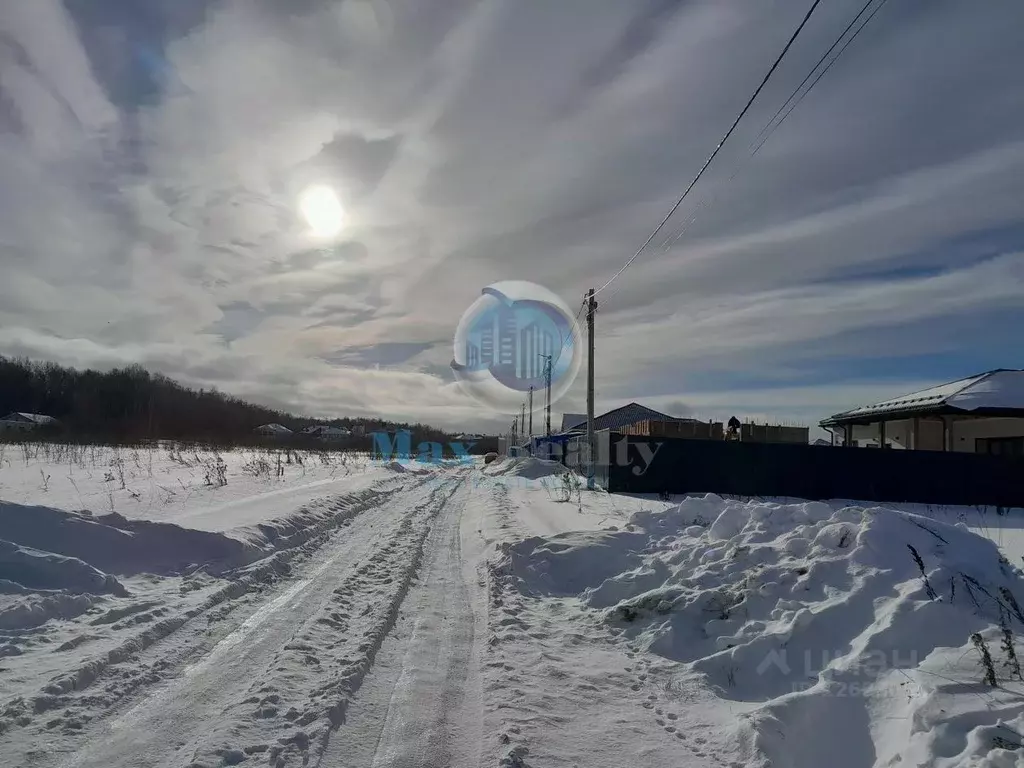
[(792, 102), (718, 148), (572, 325), (826, 69), (810, 74)]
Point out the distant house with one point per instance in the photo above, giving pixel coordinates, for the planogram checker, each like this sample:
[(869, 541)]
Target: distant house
[(631, 413), (326, 433), (26, 422), (273, 430), (983, 413)]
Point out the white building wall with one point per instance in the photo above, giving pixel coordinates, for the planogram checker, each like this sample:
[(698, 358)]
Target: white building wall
[(966, 431), (963, 432)]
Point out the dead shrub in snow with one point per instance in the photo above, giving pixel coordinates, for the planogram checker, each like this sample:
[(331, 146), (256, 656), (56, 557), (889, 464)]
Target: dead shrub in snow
[(258, 467), (215, 472), (924, 576), (569, 486), (1006, 645), (986, 659)]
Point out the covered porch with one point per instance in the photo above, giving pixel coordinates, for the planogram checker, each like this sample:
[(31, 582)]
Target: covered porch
[(980, 414)]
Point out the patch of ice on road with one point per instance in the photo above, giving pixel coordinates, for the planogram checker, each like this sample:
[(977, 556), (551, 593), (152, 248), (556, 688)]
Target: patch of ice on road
[(846, 637)]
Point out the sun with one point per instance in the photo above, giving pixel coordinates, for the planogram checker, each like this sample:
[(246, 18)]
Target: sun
[(322, 210)]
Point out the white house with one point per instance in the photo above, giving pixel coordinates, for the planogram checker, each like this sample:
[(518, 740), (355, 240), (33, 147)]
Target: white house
[(273, 430), (26, 422), (980, 414)]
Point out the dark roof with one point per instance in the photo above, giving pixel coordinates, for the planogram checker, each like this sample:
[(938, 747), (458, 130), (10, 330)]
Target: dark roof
[(630, 413), (570, 420), (1000, 391)]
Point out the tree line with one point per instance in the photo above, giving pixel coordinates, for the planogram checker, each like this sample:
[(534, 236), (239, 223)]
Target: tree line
[(132, 404)]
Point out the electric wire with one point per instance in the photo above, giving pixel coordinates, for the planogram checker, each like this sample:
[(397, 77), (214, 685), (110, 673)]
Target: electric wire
[(721, 143), (794, 100)]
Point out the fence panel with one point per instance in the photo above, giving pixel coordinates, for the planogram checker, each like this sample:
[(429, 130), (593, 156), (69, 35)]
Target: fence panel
[(813, 472)]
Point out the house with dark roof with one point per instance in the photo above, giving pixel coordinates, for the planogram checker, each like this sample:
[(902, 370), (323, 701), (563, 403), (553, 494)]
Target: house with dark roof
[(626, 415), (983, 413)]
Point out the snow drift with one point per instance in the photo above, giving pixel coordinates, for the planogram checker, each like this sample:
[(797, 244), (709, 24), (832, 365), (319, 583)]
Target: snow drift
[(852, 637), (49, 556), (35, 569), (117, 545), (527, 467)]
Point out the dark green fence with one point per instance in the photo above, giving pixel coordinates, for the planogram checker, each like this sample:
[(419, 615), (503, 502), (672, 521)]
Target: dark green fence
[(808, 471)]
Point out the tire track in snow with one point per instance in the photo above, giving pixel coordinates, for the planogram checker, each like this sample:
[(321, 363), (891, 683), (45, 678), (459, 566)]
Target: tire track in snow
[(261, 690), (134, 663), (424, 708)]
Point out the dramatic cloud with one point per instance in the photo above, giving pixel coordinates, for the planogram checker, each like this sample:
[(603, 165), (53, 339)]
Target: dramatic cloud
[(152, 156)]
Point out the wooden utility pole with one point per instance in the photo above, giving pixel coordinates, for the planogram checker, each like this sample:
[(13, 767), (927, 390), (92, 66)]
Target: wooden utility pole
[(531, 415), (591, 453), (547, 386), (522, 420)]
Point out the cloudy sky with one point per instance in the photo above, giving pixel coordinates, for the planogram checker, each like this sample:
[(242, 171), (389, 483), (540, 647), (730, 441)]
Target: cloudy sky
[(152, 155)]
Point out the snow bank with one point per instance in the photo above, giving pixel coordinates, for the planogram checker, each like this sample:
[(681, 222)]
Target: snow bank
[(527, 467), (120, 546), (36, 569), (850, 636), (22, 608), (570, 563)]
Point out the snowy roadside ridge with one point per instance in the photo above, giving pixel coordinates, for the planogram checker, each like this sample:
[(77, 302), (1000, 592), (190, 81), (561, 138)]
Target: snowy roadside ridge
[(60, 692), (881, 637), (290, 715), (506, 611)]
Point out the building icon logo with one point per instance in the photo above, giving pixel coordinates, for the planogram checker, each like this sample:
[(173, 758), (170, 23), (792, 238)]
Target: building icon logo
[(505, 341)]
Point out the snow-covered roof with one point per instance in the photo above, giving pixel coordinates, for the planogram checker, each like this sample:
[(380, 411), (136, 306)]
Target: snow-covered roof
[(278, 429), (1002, 389), (35, 418)]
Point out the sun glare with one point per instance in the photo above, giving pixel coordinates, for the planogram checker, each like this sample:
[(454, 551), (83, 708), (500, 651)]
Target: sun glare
[(322, 210)]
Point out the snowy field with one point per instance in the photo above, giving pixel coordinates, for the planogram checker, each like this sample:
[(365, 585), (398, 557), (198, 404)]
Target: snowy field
[(195, 487), (323, 612)]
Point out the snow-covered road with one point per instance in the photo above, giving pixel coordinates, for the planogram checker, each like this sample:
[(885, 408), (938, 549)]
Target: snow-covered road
[(422, 707), (463, 616), (281, 680)]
